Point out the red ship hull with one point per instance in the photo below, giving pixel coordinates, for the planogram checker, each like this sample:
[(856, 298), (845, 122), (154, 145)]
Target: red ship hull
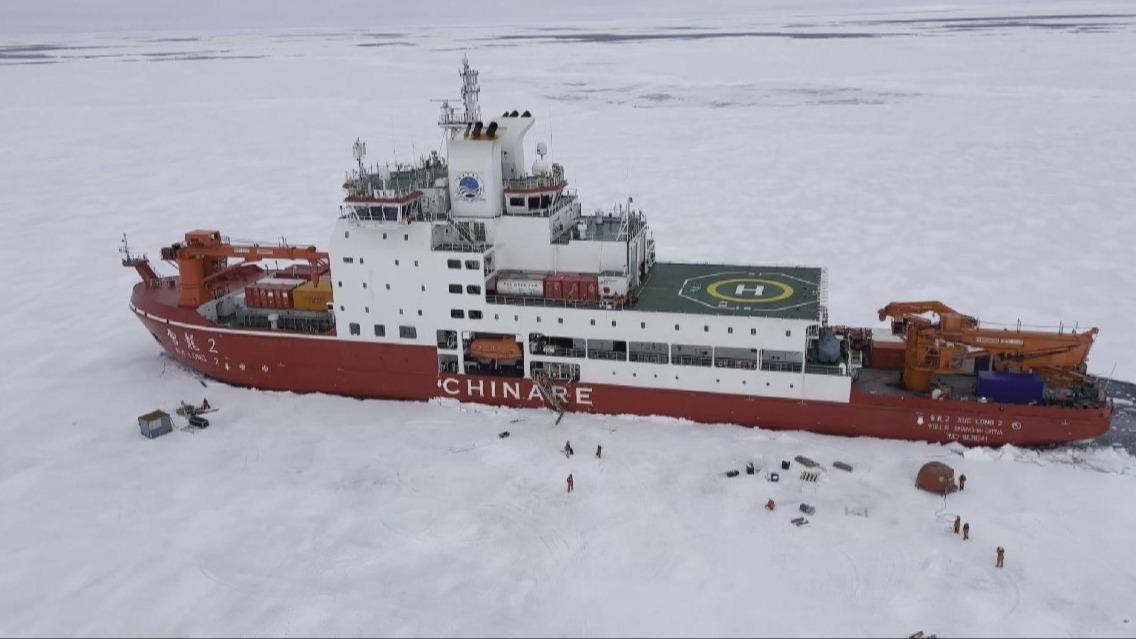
[(322, 363)]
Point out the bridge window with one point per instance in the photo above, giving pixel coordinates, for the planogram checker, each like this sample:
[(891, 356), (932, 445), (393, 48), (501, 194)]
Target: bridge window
[(516, 201), (380, 330), (354, 328), (474, 314), (472, 265), (455, 288), (457, 313), (453, 263), (407, 332), (473, 289), (691, 355)]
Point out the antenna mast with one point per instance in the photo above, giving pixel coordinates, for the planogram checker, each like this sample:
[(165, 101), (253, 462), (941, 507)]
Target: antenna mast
[(470, 91)]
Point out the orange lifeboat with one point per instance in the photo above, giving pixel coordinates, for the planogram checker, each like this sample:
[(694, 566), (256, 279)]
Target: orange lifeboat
[(495, 348)]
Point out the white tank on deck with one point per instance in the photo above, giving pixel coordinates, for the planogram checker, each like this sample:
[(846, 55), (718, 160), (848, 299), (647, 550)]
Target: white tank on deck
[(524, 285)]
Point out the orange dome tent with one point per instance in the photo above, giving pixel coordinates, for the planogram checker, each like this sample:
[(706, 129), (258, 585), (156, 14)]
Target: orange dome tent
[(936, 477)]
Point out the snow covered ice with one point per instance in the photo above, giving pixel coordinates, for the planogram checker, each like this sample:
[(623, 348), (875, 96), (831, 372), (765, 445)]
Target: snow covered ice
[(984, 162)]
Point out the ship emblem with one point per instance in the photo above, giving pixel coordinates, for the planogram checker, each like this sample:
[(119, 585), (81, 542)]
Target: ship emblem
[(469, 187)]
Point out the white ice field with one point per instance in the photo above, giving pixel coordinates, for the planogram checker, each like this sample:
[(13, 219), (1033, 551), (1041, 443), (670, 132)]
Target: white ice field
[(978, 153)]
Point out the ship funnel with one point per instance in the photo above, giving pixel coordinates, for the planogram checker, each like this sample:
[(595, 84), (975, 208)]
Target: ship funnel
[(492, 130), (477, 129)]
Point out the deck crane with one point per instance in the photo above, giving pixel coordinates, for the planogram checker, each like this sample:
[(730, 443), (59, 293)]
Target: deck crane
[(942, 347), (203, 258)]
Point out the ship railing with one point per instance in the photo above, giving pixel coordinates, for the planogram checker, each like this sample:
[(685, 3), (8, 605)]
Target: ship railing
[(692, 360), (517, 300), (650, 358), (618, 356), (557, 204), (463, 247), (781, 367), (734, 362), (557, 351), (825, 369)]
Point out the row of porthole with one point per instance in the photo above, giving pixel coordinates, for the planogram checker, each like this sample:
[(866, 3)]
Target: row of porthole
[(716, 381)]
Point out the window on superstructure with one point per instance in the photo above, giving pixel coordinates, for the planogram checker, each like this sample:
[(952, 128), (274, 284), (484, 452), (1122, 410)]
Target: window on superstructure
[(559, 320), (380, 330), (456, 288), (360, 260), (406, 236), (354, 327), (340, 283), (348, 260), (474, 314), (457, 313), (642, 324), (407, 332), (607, 349), (730, 330), (516, 201), (593, 322), (648, 352), (472, 265), (453, 263), (534, 202), (473, 289), (789, 333), (419, 312), (613, 323), (447, 339), (384, 236), (691, 354), (416, 262), (366, 309), (753, 331), (743, 358), (396, 262), (388, 287), (364, 285)]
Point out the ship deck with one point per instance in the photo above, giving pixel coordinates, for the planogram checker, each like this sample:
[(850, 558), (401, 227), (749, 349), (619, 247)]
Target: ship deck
[(789, 292)]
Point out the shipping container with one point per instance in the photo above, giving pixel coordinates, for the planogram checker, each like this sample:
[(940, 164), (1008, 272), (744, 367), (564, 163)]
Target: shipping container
[(517, 284), (302, 271), (271, 292), (1010, 388), (589, 289), (312, 296), (612, 285), (554, 286), (887, 355)]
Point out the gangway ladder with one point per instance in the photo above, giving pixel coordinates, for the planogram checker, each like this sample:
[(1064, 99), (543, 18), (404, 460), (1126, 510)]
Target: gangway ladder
[(542, 382)]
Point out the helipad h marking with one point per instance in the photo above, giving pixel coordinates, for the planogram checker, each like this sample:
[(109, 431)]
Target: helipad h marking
[(786, 290)]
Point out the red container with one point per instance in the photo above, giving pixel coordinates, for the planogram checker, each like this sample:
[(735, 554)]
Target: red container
[(271, 293), (571, 288), (887, 355), (589, 288), (301, 271), (554, 286)]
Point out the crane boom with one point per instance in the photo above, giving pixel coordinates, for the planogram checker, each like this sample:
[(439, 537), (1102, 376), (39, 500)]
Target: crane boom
[(204, 258), (943, 347)]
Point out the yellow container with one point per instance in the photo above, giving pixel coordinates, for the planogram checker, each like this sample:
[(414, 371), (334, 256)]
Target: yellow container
[(312, 297)]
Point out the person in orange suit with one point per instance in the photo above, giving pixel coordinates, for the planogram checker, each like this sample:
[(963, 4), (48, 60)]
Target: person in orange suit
[(958, 522), (769, 505), (1001, 555), (571, 484), (966, 531)]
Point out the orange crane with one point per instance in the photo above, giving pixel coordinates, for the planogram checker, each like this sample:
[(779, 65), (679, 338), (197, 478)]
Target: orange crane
[(204, 258), (942, 348)]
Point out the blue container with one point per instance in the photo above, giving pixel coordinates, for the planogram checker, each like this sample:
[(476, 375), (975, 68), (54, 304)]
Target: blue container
[(1010, 388)]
